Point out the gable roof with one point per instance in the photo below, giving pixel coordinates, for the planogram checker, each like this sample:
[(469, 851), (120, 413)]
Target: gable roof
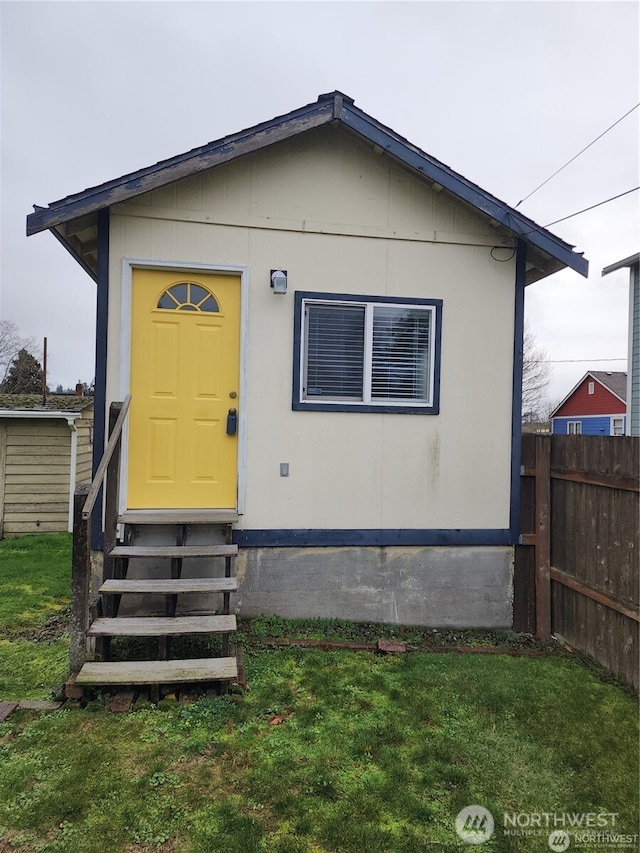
[(73, 219), (614, 381)]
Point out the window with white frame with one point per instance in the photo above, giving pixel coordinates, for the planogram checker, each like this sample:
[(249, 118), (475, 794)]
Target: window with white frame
[(366, 353), (574, 428), (591, 388), (617, 426)]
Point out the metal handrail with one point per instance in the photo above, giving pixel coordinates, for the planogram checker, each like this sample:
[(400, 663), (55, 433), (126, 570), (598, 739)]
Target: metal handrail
[(114, 438)]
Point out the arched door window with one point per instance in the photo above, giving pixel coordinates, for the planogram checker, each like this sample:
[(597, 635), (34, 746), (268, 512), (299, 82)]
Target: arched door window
[(188, 296)]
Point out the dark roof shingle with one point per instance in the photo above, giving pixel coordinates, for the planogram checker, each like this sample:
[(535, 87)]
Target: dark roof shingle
[(615, 381), (55, 402)]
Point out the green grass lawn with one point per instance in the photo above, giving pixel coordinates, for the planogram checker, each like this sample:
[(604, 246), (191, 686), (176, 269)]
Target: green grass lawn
[(327, 751), (35, 577)]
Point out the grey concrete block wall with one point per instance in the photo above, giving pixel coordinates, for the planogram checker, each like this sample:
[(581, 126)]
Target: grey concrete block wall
[(439, 587)]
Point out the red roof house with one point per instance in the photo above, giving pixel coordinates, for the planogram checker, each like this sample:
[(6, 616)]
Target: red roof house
[(596, 406)]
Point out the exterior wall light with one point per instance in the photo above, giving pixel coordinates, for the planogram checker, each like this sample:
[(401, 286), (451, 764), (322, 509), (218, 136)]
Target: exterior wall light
[(279, 281)]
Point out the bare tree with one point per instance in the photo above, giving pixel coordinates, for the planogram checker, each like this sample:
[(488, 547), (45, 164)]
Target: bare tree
[(10, 345), (536, 376)]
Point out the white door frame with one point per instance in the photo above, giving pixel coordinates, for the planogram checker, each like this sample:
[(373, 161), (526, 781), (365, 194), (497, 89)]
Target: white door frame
[(124, 384)]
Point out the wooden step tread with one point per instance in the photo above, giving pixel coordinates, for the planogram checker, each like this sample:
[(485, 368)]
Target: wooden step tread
[(175, 551), (169, 586), (158, 672), (179, 516), (161, 626)]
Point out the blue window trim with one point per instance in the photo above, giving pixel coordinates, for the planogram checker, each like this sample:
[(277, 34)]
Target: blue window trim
[(369, 538), (298, 405)]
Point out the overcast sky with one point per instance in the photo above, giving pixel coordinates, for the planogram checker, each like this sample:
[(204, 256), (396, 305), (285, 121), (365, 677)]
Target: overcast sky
[(504, 93)]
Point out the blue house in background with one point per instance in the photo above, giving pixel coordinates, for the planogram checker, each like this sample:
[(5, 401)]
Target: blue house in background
[(595, 406)]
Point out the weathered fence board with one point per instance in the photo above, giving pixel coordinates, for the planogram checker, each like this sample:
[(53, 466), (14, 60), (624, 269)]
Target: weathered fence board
[(593, 579)]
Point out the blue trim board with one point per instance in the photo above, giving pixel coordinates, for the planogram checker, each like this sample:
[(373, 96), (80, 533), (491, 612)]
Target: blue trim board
[(516, 405), (369, 538), (100, 398), (391, 408)]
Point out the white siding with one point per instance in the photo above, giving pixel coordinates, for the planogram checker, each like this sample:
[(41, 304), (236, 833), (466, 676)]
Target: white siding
[(341, 219)]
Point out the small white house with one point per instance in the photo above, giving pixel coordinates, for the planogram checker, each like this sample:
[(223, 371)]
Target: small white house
[(321, 326)]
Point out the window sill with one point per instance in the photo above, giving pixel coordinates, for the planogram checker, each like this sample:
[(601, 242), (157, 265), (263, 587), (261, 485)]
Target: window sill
[(385, 408)]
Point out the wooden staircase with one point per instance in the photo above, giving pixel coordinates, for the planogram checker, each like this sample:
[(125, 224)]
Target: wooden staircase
[(122, 561)]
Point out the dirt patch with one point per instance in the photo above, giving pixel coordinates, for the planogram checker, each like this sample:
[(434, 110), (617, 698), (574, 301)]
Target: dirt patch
[(52, 630)]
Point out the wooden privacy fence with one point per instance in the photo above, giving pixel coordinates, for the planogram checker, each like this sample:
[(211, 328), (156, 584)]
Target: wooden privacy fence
[(576, 569)]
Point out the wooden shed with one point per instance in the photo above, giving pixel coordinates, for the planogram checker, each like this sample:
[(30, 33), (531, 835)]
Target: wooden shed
[(44, 452)]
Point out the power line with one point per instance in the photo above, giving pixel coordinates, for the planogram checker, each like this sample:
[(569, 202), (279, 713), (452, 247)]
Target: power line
[(577, 213), (557, 172), (572, 360), (585, 209)]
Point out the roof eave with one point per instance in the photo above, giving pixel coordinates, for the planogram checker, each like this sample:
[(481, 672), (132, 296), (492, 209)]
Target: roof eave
[(75, 252), (166, 172), (631, 261), (39, 413), (333, 107), (521, 226)]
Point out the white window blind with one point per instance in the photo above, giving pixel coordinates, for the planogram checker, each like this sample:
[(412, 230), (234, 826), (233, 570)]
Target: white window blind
[(400, 363), (335, 351)]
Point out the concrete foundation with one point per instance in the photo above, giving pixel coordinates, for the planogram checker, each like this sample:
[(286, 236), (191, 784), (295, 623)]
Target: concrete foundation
[(439, 587)]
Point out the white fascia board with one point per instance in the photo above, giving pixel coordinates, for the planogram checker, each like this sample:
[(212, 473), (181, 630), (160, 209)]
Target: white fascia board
[(29, 413), (584, 417), (619, 265)]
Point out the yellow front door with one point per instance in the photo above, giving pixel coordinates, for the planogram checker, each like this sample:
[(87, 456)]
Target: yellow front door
[(185, 351)]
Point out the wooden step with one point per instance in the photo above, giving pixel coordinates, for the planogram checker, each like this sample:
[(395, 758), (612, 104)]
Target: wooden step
[(179, 516), (175, 551), (161, 626), (158, 672), (169, 586)]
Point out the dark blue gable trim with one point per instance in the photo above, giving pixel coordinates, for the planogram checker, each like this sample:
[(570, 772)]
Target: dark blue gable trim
[(99, 411), (182, 165), (459, 186), (516, 406), (368, 538), (333, 107), (298, 405)]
